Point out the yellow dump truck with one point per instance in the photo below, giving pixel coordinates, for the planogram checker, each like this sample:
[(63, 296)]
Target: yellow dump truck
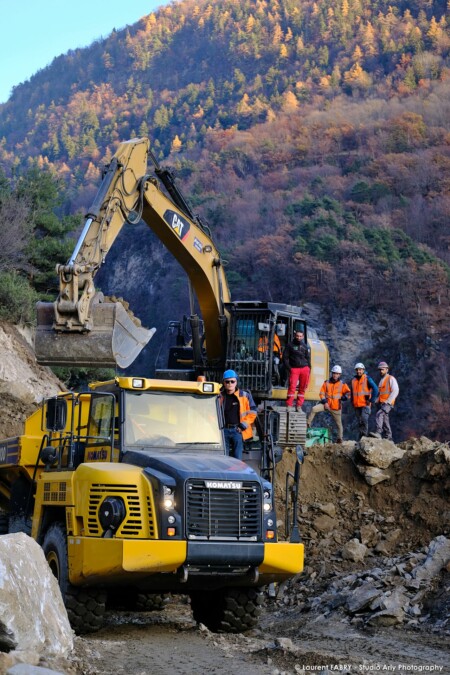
[(129, 490)]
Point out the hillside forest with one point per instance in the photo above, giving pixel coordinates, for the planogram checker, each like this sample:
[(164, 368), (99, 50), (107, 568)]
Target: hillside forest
[(314, 139)]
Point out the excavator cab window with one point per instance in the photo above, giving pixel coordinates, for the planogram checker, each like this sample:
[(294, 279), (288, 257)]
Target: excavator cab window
[(245, 338)]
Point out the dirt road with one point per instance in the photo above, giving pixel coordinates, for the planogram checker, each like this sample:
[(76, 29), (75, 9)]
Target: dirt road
[(170, 642)]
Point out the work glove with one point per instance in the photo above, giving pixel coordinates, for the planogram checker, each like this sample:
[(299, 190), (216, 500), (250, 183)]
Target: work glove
[(386, 407), (243, 426)]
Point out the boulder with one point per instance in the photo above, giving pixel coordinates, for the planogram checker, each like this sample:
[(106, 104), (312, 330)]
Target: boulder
[(370, 535), (354, 550), (33, 619), (386, 617), (362, 597), (379, 452), (372, 474), (325, 524), (438, 558), (328, 509)]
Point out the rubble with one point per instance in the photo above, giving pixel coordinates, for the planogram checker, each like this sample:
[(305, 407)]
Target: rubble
[(364, 548)]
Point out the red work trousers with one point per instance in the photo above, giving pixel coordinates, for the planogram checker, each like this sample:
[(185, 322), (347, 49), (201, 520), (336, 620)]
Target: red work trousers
[(300, 377)]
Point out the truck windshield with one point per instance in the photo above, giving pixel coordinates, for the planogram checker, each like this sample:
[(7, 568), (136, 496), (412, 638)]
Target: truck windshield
[(171, 421)]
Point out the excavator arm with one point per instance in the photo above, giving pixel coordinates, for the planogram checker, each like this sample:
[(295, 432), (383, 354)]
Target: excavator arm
[(80, 328)]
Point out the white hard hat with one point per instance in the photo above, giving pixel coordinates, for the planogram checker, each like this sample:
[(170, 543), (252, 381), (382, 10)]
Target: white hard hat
[(336, 369), (360, 365)]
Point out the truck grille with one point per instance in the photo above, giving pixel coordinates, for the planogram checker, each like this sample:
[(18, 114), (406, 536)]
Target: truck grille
[(138, 522), (223, 513)]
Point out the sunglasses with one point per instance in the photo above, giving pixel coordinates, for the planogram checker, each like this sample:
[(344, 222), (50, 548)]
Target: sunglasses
[(230, 381)]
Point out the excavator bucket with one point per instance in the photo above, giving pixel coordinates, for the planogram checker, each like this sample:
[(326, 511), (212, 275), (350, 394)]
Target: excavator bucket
[(113, 340)]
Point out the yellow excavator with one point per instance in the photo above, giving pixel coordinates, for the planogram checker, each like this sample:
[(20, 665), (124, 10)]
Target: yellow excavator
[(81, 329)]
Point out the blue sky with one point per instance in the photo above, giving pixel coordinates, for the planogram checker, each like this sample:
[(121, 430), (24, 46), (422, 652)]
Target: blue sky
[(35, 31)]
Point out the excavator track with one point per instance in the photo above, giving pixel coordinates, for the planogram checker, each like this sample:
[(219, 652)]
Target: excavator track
[(292, 427)]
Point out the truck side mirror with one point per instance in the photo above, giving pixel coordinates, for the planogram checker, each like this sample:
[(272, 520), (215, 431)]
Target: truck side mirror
[(56, 415), (274, 426)]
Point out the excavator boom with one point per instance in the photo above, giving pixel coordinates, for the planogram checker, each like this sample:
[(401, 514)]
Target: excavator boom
[(80, 328)]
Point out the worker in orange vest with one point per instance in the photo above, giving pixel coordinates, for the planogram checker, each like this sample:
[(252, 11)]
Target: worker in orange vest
[(364, 392), (239, 411), (388, 390), (332, 393), (263, 348)]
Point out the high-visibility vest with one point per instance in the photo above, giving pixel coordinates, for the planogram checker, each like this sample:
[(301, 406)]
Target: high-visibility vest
[(385, 389), (246, 412), (333, 392), (360, 392), (263, 344)]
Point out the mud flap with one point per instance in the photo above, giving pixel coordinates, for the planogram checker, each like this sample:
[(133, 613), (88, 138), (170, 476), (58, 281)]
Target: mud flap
[(113, 340)]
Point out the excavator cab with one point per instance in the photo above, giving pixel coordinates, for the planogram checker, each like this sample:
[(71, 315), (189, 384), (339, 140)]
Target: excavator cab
[(258, 334)]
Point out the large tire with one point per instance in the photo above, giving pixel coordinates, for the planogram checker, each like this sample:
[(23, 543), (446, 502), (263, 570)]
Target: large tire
[(151, 602), (85, 606), (137, 601), (230, 610)]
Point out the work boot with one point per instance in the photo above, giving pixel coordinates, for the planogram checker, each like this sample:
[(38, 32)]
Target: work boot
[(375, 434), (339, 440)]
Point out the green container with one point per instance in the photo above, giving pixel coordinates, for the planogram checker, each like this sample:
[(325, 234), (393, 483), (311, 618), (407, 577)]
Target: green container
[(317, 436)]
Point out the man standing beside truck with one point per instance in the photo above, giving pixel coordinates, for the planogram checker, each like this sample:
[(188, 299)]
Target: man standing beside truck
[(239, 410)]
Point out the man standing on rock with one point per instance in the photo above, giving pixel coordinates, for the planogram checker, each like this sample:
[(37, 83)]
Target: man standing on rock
[(297, 361), (364, 392), (388, 390), (332, 393)]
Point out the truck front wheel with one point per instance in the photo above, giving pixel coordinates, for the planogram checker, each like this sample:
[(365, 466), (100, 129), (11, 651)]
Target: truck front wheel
[(229, 610), (85, 606), (134, 600)]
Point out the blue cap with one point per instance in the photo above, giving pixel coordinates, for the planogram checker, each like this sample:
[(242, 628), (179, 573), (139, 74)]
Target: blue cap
[(228, 374)]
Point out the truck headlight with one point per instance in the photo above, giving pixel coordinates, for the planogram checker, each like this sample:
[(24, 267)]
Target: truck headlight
[(169, 498)]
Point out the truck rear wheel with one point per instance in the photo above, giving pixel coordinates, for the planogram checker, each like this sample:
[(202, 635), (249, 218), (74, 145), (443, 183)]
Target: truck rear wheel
[(85, 606), (229, 610)]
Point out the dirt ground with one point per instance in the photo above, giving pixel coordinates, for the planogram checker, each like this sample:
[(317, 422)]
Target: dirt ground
[(306, 627), (285, 642)]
